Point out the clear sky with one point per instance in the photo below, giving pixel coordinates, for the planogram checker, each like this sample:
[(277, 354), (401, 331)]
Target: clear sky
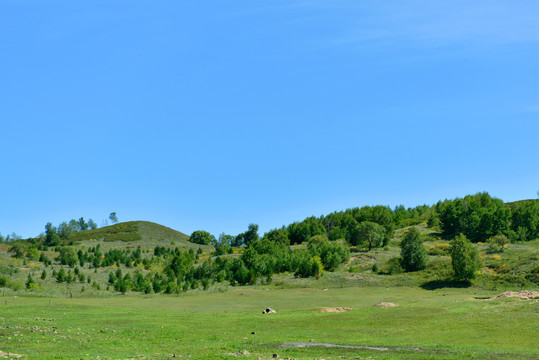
[(216, 114)]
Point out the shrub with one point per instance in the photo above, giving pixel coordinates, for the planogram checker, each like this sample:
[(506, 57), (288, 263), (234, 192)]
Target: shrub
[(394, 266), (497, 243), (438, 249)]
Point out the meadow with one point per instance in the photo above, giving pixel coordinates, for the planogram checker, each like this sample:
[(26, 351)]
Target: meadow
[(228, 323), (140, 290)]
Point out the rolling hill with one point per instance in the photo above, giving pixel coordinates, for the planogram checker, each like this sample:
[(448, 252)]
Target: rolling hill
[(132, 231)]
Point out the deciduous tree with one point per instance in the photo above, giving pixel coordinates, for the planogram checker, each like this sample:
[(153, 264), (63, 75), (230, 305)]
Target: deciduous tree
[(413, 253), (464, 258)]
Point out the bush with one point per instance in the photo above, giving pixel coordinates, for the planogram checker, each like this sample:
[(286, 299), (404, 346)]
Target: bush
[(394, 266), (497, 243), (438, 249)]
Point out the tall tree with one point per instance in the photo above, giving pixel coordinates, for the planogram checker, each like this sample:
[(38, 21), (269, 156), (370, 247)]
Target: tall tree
[(113, 218), (413, 253), (251, 235), (201, 237), (368, 233), (91, 224), (464, 258), (74, 225), (64, 230), (51, 236), (82, 224)]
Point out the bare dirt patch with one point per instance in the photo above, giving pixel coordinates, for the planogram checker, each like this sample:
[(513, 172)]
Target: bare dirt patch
[(306, 344), (9, 355), (386, 304), (523, 295), (335, 309)]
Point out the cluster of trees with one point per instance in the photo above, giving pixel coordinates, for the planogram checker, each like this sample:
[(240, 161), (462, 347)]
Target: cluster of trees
[(367, 227), (9, 237), (53, 234), (261, 259), (480, 217), (465, 259)]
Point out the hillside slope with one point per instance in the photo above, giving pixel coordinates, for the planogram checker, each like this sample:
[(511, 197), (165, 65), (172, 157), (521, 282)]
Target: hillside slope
[(131, 231)]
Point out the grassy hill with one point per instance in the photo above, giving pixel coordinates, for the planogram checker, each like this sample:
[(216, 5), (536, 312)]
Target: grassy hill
[(132, 231), (519, 202)]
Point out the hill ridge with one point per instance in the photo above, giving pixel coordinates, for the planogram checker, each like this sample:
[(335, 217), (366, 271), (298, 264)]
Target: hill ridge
[(131, 231)]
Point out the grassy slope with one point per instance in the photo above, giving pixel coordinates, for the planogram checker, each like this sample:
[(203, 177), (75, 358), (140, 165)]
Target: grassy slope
[(132, 231), (513, 203)]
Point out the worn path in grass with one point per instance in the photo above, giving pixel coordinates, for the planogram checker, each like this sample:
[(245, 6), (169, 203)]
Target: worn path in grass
[(441, 324)]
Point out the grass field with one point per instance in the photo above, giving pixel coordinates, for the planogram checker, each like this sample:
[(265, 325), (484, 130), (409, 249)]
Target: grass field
[(435, 317), (440, 324)]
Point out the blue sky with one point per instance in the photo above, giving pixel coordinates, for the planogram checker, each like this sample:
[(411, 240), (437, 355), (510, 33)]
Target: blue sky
[(213, 115)]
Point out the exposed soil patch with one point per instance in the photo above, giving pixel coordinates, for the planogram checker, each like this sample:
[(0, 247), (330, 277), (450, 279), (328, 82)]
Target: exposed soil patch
[(9, 355), (311, 344), (523, 295), (335, 309), (386, 304)]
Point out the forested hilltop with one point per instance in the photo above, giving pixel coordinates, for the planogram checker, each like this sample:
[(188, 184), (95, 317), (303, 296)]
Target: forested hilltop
[(477, 240)]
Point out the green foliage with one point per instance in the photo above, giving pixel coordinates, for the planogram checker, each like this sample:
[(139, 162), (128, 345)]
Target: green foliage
[(201, 237), (68, 256), (278, 236), (51, 236), (498, 243), (29, 282), (248, 237), (413, 253), (18, 250), (464, 258), (393, 266), (367, 234), (303, 231), (113, 218), (525, 220), (61, 275), (92, 225), (65, 230), (480, 217), (331, 254)]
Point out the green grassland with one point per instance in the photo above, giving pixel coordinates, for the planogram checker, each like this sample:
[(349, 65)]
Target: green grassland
[(441, 324), (435, 317)]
